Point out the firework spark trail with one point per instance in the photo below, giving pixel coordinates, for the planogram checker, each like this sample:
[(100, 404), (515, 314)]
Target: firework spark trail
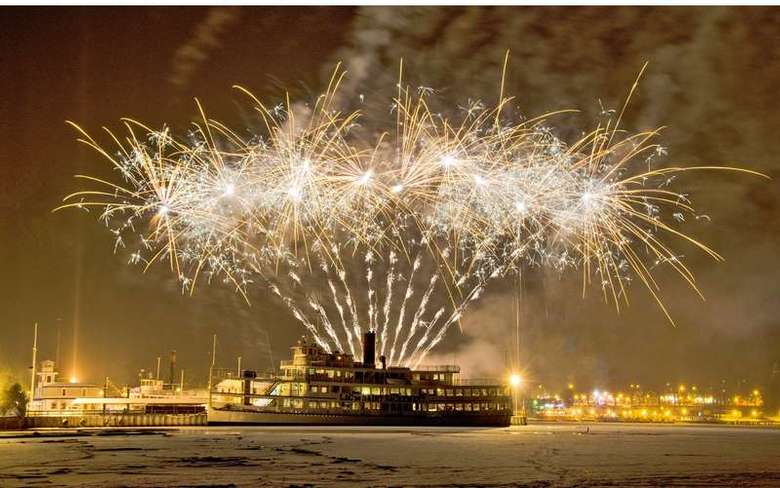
[(336, 301), (454, 317), (407, 295), (288, 302), (352, 308), (340, 309), (388, 300), (370, 290), (315, 305), (428, 328), (416, 319)]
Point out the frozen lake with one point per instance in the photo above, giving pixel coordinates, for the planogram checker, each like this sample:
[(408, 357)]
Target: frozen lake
[(537, 455)]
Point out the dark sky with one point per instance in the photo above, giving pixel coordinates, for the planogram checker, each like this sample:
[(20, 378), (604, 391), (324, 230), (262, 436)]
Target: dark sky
[(712, 80)]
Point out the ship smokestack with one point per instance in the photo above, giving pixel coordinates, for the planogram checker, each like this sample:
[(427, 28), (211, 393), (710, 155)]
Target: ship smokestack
[(369, 349)]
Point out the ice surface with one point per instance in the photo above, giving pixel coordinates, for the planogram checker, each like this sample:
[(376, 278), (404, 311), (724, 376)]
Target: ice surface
[(535, 455)]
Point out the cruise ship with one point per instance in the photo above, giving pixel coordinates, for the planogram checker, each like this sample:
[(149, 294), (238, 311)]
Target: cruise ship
[(320, 388)]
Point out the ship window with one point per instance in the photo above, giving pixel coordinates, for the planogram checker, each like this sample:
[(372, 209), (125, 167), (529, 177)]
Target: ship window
[(335, 389), (440, 391), (394, 391), (458, 392), (449, 392), (467, 407), (331, 373), (459, 407), (365, 390), (375, 390)]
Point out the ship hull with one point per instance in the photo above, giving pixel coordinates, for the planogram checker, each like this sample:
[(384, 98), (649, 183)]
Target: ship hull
[(244, 417)]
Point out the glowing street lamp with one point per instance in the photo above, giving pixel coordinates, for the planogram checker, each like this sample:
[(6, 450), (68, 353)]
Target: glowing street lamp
[(515, 381)]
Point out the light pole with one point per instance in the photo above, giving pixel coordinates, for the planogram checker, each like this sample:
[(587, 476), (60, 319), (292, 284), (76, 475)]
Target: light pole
[(515, 381)]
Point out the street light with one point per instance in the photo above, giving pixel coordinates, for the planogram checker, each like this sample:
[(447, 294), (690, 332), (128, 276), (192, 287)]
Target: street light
[(515, 381)]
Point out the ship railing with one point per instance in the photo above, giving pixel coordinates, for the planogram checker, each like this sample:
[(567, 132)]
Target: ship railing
[(440, 368), (488, 382), (231, 374)]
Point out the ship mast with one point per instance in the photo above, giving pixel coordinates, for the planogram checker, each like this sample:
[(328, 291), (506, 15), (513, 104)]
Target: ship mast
[(34, 360), (211, 368)]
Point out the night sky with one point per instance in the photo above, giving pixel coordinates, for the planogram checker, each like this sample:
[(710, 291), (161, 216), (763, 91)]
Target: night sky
[(712, 80)]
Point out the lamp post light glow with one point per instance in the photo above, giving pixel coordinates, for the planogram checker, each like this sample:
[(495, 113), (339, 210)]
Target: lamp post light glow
[(515, 381)]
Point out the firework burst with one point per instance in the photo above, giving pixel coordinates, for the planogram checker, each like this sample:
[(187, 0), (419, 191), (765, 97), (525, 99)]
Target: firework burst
[(399, 236)]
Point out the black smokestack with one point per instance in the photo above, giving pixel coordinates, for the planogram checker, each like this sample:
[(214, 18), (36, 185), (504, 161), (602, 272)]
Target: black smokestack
[(369, 344)]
